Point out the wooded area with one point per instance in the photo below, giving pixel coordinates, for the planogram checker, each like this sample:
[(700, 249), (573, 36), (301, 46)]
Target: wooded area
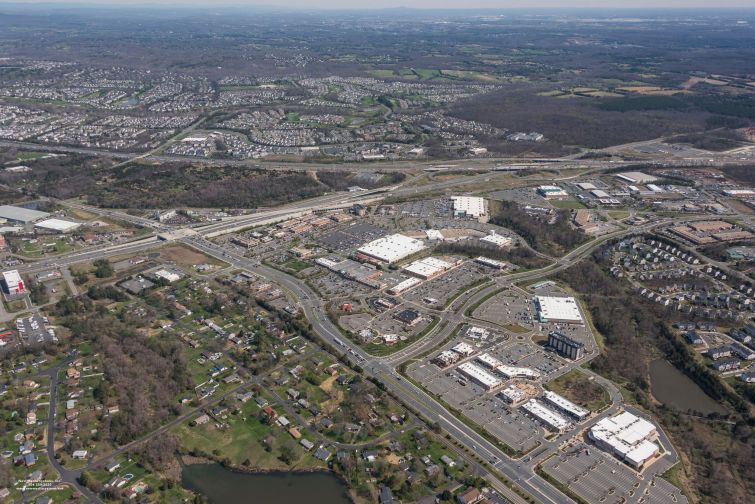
[(547, 238)]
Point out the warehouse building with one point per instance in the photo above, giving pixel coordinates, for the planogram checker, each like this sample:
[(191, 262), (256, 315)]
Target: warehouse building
[(558, 309), (21, 215), (565, 346), (390, 249), (468, 206), (497, 240), (636, 177), (57, 226), (627, 437), (552, 192), (479, 376)]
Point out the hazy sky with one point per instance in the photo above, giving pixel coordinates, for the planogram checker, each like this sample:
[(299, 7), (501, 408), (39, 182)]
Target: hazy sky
[(461, 4)]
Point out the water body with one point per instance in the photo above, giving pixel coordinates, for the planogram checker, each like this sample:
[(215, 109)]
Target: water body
[(223, 486), (676, 390)]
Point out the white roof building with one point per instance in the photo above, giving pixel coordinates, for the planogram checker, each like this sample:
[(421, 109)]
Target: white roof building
[(464, 349), (13, 282), (468, 206), (392, 248), (546, 415), (404, 286), (636, 177), (497, 240), (626, 436), (479, 375), (599, 193), (586, 186), (57, 225), (565, 405), (434, 235), (491, 263), (170, 276), (517, 372), (20, 214), (558, 309), (429, 267), (489, 361)]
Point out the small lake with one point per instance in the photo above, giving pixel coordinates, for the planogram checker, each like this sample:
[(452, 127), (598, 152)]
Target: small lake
[(223, 486), (676, 390)]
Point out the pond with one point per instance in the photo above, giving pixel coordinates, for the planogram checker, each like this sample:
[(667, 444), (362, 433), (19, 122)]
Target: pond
[(676, 390), (221, 485)]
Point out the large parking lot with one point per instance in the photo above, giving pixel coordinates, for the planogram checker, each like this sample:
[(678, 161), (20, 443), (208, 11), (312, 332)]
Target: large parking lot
[(599, 478), (511, 308), (427, 208), (351, 237), (509, 424), (447, 286)]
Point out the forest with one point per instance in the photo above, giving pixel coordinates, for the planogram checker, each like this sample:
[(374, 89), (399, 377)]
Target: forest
[(143, 375), (552, 239), (521, 256), (147, 185)]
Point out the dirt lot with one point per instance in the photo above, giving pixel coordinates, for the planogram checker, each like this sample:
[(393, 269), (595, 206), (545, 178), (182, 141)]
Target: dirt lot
[(184, 256)]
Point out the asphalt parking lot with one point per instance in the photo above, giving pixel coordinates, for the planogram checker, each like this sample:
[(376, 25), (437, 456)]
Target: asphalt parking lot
[(348, 238), (597, 477)]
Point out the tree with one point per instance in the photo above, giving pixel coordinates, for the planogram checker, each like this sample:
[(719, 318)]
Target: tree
[(103, 269), (288, 452)]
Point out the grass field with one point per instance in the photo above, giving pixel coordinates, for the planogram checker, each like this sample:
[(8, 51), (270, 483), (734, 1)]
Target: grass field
[(241, 441), (567, 204), (578, 388), (30, 155)]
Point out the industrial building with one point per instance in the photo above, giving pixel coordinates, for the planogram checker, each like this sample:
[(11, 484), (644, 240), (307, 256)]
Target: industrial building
[(626, 436), (468, 206), (600, 194), (564, 405), (497, 240), (21, 215), (13, 282), (552, 192), (57, 225), (546, 415), (636, 177), (558, 309), (566, 346), (479, 375), (390, 249)]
